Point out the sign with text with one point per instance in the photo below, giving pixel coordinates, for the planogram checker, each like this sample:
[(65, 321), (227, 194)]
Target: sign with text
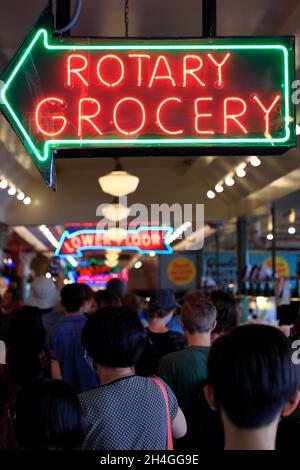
[(94, 272), (143, 240), (159, 96)]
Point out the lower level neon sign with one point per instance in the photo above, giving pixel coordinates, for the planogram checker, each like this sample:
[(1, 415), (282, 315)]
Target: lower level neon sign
[(143, 240)]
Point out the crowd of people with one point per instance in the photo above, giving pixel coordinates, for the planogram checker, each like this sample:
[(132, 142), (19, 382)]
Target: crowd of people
[(106, 371)]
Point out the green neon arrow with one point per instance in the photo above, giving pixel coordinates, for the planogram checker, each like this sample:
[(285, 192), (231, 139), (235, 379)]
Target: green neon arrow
[(40, 41), (15, 70)]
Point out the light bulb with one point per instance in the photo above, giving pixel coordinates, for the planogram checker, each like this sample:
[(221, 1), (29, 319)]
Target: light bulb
[(118, 183), (240, 172), (255, 161), (20, 196), (229, 181), (219, 188), (3, 184), (210, 194), (27, 200), (12, 191)]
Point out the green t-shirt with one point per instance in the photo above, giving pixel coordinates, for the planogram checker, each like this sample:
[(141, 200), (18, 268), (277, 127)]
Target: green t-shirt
[(185, 371)]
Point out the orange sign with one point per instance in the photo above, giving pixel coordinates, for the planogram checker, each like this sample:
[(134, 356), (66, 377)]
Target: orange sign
[(181, 271), (282, 266)]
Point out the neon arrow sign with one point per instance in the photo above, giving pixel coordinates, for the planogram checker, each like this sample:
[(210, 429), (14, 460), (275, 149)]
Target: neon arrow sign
[(158, 96), (143, 240)]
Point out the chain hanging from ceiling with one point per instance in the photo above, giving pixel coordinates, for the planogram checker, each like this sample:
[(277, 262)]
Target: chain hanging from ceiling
[(126, 17)]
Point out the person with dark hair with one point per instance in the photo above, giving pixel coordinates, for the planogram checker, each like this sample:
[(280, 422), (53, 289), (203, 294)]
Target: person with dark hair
[(90, 305), (126, 412), (133, 302), (10, 305), (185, 371), (160, 340), (117, 286), (227, 314), (65, 340), (162, 307), (48, 416), (26, 359), (252, 381), (107, 298)]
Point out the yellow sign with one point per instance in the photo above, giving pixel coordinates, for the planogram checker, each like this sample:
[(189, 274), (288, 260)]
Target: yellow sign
[(181, 271), (282, 266)]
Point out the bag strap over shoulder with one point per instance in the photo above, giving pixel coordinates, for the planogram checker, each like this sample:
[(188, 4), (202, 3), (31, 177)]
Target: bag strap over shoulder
[(165, 395)]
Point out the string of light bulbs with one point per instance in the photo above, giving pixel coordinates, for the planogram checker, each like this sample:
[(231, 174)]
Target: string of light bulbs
[(229, 180), (12, 190)]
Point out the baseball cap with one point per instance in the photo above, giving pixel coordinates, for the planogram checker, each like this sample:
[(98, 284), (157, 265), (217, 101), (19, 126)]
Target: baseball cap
[(164, 299)]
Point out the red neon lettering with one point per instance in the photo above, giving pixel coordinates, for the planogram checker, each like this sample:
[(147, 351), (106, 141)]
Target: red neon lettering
[(234, 117), (146, 240), (139, 57), (191, 71), (54, 118), (198, 115), (106, 240), (219, 65), (87, 117), (167, 131), (266, 111), (120, 62), (98, 239), (156, 239), (75, 70), (135, 131), (76, 242), (161, 59), (67, 247), (87, 240), (135, 240)]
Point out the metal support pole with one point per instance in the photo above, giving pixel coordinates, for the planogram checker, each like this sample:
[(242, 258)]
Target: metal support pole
[(273, 246), (242, 250), (199, 265), (209, 18), (217, 257), (63, 14)]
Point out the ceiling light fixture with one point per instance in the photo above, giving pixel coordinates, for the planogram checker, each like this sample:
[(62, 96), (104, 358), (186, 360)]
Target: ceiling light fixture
[(20, 196), (115, 211), (219, 188), (27, 201), (255, 161), (116, 233), (12, 191), (111, 263), (229, 181), (3, 184), (118, 182)]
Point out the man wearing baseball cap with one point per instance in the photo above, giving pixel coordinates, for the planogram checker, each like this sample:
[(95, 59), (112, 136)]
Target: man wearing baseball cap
[(161, 340)]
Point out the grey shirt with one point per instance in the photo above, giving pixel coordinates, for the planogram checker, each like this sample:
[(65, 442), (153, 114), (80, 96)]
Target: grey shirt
[(128, 414)]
